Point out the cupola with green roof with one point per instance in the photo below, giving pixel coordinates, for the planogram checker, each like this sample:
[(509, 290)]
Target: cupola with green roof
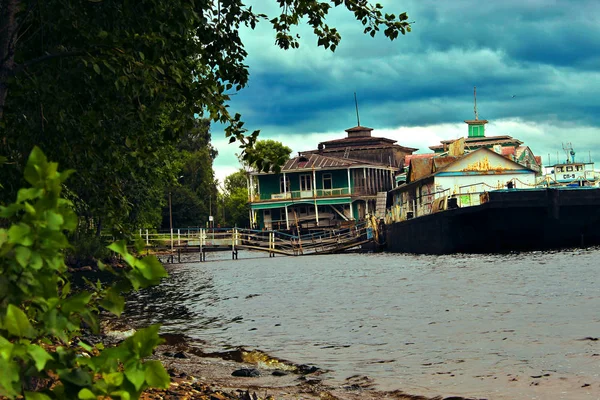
[(476, 126)]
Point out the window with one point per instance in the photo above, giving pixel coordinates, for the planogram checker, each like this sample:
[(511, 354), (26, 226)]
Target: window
[(282, 187), (569, 168), (305, 182), (327, 181)]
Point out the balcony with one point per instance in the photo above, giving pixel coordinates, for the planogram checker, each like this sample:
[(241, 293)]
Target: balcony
[(302, 194)]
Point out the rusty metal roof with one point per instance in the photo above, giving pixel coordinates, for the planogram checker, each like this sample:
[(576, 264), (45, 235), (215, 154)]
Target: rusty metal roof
[(420, 168), (480, 141), (309, 161), (358, 129), (409, 157), (443, 161), (360, 139)]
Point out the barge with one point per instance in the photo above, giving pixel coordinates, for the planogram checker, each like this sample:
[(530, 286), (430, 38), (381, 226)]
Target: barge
[(505, 220)]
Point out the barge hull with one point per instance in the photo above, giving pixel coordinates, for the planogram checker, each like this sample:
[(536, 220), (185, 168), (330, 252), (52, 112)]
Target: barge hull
[(511, 220)]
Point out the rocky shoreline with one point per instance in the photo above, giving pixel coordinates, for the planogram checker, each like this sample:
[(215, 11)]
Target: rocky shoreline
[(244, 375)]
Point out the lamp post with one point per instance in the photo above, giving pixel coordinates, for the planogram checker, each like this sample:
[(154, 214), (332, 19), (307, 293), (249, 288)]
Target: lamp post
[(171, 220)]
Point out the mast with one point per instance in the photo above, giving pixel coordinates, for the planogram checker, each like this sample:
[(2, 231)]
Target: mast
[(475, 102)]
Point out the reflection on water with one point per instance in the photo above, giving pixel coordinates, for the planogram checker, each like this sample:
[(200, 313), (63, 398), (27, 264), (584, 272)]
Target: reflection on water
[(465, 324)]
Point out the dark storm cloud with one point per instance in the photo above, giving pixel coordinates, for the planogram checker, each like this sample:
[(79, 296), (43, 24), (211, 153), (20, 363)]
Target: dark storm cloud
[(538, 51), (536, 62)]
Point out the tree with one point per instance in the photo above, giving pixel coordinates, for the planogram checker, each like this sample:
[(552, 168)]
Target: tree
[(235, 199), (195, 189), (106, 86), (269, 152)]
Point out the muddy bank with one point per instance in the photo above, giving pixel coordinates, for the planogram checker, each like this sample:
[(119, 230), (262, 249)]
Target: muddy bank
[(244, 375)]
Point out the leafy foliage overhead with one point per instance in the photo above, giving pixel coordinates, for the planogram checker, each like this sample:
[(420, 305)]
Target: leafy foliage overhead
[(106, 86)]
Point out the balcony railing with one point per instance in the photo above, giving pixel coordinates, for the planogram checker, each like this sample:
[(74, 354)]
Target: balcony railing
[(303, 194)]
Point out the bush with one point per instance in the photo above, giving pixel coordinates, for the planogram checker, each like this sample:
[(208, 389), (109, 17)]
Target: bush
[(40, 318)]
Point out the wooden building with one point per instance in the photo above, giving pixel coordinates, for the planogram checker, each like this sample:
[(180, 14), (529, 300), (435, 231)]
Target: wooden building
[(437, 183), (359, 144), (317, 191)]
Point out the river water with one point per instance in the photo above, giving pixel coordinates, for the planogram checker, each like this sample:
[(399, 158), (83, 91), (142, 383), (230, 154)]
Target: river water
[(510, 326)]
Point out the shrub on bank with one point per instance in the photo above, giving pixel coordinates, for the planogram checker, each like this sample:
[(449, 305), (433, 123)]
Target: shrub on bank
[(41, 318)]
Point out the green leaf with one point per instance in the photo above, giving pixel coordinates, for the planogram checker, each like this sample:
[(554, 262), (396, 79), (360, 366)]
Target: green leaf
[(85, 346), (6, 349), (97, 68), (20, 234), (54, 220), (76, 303), (17, 323), (120, 247), (3, 236), (86, 394), (151, 268), (156, 376), (39, 356), (9, 378), (143, 341), (36, 163), (28, 194), (23, 255), (36, 262), (114, 378), (77, 377), (123, 394), (113, 301), (36, 396), (136, 375)]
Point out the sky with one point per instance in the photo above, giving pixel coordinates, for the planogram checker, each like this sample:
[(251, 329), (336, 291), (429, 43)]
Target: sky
[(535, 63)]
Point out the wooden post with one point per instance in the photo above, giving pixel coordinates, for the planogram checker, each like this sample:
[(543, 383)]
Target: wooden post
[(201, 242), (349, 186), (147, 238), (178, 237), (179, 256), (233, 251)]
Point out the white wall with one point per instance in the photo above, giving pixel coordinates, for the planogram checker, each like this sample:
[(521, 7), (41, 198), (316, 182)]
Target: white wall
[(484, 182)]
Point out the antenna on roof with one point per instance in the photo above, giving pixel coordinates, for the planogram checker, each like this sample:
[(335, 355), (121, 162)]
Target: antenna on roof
[(356, 104), (475, 99)]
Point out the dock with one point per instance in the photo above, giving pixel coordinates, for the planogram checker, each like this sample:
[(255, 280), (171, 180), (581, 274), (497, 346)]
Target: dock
[(205, 240)]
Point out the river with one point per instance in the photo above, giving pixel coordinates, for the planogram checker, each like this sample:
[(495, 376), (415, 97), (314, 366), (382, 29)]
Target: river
[(509, 326)]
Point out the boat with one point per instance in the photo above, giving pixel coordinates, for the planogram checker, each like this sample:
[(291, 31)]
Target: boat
[(570, 173)]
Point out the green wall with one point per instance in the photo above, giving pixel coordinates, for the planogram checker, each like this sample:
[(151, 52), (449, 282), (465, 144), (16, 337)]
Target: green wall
[(269, 184)]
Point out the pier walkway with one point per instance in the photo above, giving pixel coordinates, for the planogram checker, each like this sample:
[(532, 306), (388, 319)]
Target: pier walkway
[(200, 240)]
